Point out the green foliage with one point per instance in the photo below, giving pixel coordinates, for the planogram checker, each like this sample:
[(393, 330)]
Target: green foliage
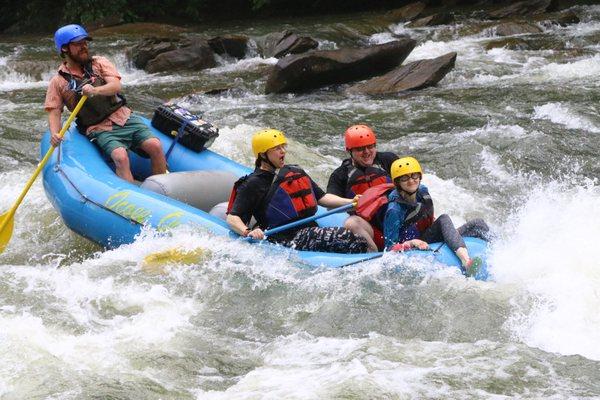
[(86, 11), (258, 4), (47, 15), (32, 15)]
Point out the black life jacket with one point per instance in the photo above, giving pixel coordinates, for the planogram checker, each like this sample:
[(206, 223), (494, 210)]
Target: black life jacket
[(361, 179), (290, 198), (234, 190), (97, 108)]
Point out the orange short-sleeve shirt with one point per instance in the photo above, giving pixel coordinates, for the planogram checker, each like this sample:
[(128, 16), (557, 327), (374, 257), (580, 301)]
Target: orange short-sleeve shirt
[(58, 94)]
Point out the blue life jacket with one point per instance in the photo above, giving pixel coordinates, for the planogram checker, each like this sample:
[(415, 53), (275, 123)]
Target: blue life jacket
[(415, 217)]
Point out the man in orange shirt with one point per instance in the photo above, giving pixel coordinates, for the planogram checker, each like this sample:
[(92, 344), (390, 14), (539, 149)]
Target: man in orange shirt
[(104, 118)]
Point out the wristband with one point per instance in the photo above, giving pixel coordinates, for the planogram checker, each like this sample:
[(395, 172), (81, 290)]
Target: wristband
[(246, 232)]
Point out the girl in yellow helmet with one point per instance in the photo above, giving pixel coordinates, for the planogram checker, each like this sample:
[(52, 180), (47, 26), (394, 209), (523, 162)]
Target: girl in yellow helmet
[(276, 194), (409, 220)]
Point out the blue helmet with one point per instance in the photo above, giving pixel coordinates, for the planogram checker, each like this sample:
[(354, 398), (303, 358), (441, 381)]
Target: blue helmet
[(69, 33)]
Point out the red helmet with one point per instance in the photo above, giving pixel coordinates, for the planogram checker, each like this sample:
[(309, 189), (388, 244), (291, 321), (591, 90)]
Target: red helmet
[(358, 136)]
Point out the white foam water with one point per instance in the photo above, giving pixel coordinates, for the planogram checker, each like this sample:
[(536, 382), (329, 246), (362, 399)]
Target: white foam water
[(561, 114), (77, 321), (549, 249)]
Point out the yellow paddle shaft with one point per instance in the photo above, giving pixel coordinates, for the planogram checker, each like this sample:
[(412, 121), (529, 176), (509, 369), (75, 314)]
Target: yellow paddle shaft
[(11, 212)]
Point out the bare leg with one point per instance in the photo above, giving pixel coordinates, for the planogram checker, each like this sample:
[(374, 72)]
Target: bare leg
[(157, 157), (463, 255), (121, 159), (360, 227)]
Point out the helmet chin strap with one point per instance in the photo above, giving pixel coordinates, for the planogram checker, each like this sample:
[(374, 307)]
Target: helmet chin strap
[(354, 162), (266, 159)]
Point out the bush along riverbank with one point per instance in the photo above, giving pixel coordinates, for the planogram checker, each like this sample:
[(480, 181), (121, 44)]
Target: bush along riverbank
[(45, 15)]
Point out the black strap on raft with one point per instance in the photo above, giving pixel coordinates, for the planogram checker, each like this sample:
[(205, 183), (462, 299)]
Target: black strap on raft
[(180, 133)]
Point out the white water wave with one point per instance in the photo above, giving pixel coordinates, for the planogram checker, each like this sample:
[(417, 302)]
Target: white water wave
[(301, 366), (492, 129), (7, 105), (537, 70), (497, 171), (11, 80), (381, 38), (13, 183), (550, 251), (245, 64), (561, 114), (576, 70), (454, 200)]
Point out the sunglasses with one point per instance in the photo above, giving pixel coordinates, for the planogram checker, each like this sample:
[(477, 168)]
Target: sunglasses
[(81, 43), (281, 147), (414, 175), (363, 148)]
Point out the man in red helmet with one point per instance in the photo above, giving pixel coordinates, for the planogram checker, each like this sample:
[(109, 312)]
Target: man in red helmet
[(104, 117), (365, 168)]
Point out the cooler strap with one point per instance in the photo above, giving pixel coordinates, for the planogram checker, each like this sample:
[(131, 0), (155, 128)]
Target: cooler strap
[(180, 133)]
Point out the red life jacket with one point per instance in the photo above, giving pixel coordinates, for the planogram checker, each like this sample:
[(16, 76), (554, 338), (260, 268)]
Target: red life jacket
[(372, 200), (290, 198), (419, 217), (233, 194), (361, 179)]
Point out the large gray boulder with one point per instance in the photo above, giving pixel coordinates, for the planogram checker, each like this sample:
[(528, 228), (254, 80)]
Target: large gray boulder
[(294, 44), (565, 18), (415, 75), (516, 28), (149, 48), (508, 43), (319, 68), (197, 56), (408, 12), (522, 8), (281, 44), (432, 20), (233, 45)]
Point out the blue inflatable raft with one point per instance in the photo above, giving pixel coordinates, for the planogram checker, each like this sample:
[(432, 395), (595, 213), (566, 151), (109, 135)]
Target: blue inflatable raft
[(100, 206)]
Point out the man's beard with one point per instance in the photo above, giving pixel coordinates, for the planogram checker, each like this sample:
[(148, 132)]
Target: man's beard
[(81, 57)]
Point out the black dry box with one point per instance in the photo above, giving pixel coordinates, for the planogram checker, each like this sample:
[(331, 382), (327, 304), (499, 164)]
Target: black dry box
[(197, 134)]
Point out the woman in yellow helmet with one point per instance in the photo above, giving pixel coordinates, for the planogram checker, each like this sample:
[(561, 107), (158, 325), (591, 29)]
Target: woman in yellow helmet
[(409, 220), (276, 194)]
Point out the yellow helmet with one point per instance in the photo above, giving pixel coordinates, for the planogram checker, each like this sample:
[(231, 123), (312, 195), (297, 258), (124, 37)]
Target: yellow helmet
[(267, 139), (405, 165)]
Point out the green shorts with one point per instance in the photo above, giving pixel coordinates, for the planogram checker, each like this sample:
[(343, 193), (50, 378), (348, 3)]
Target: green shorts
[(130, 136)]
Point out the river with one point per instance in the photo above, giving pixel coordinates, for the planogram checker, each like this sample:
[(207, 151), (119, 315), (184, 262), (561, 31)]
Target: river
[(512, 136)]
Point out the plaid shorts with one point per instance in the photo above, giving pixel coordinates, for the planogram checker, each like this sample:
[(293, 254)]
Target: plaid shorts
[(330, 239)]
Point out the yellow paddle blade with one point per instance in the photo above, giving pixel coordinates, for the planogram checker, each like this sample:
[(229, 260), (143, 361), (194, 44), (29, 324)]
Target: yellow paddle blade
[(6, 229), (155, 262)]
